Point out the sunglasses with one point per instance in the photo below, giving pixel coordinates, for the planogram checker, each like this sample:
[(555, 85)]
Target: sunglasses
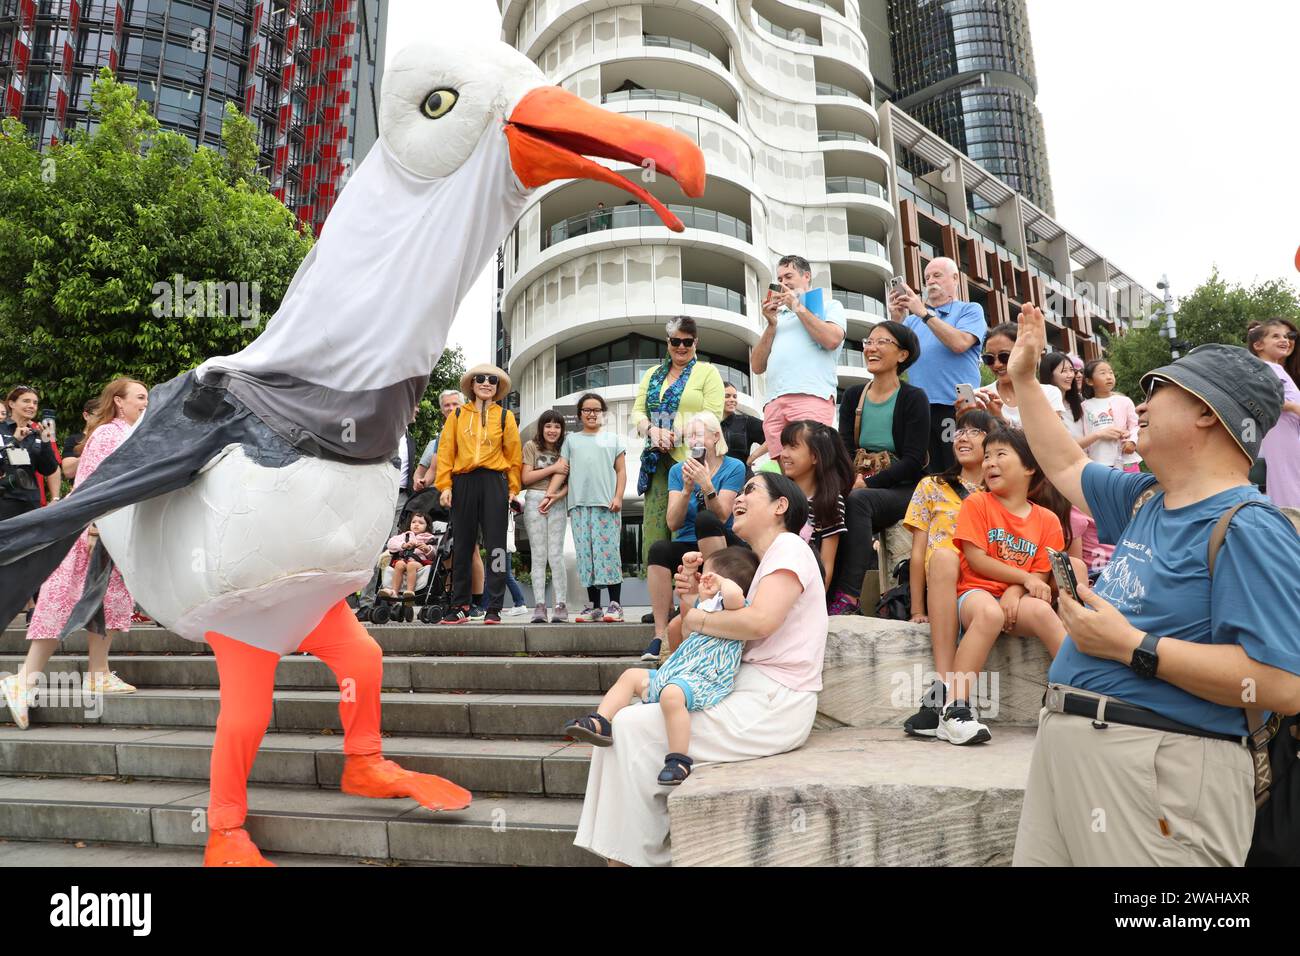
[(681, 343), (1155, 386), (488, 379), (1002, 358)]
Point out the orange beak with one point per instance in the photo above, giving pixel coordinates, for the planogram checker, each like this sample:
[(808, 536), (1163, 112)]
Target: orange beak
[(551, 132)]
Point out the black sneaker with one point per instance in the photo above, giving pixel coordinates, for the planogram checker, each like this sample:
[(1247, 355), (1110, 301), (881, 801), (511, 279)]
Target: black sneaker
[(651, 653), (925, 722), (456, 615), (649, 616), (492, 617)]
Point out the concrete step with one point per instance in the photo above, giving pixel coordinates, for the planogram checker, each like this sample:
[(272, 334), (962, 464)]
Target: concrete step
[(857, 797), (612, 640), (476, 715), (303, 672), (494, 830), (532, 767), (875, 672), (82, 854)]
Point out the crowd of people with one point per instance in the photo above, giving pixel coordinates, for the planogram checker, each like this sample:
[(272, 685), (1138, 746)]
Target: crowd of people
[(760, 530)]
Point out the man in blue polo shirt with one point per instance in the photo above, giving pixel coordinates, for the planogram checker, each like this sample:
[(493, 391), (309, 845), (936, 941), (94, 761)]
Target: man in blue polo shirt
[(1140, 758), (950, 333)]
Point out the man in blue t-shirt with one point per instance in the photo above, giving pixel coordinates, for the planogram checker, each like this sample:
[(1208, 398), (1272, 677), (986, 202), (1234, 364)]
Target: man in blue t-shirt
[(1140, 758), (950, 333)]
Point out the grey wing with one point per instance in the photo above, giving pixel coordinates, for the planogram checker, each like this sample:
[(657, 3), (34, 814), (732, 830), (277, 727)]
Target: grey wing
[(186, 425)]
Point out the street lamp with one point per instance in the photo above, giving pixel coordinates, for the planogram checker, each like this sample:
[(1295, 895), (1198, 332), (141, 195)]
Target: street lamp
[(1166, 311)]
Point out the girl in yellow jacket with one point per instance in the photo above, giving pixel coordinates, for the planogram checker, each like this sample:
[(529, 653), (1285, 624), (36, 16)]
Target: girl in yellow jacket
[(479, 459)]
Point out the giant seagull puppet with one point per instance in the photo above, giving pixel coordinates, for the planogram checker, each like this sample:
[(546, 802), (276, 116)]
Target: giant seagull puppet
[(255, 493)]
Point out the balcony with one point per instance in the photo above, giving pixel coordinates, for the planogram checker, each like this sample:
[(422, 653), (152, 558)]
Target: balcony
[(624, 96), (851, 355), (652, 39), (830, 89), (986, 227), (1045, 264), (797, 35), (713, 296), (830, 135), (860, 302), (856, 184), (868, 246), (622, 217)]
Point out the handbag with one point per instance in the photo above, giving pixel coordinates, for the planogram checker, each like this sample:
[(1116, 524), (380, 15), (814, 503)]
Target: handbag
[(867, 463)]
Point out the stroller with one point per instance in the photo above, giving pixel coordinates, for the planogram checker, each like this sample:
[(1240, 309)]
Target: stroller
[(432, 582)]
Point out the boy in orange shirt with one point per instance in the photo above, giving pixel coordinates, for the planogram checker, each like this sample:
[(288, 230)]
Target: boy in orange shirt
[(1002, 581)]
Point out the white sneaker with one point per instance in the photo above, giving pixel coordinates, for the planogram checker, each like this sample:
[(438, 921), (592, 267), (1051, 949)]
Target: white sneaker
[(519, 610), (14, 700), (959, 726), (110, 683)]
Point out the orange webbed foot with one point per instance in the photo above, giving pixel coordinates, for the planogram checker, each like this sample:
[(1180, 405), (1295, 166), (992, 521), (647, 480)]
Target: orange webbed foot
[(370, 775), (233, 847)]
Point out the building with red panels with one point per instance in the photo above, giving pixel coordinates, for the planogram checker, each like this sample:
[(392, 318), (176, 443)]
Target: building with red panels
[(305, 71)]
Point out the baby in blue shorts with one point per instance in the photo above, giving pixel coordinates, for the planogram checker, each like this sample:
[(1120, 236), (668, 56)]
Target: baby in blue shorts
[(699, 674)]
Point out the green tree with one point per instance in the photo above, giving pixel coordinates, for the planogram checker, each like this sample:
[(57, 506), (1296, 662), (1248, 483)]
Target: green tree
[(94, 234), (446, 374), (1215, 311)]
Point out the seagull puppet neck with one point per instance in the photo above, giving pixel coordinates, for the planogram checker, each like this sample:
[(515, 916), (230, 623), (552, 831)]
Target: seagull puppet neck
[(341, 366)]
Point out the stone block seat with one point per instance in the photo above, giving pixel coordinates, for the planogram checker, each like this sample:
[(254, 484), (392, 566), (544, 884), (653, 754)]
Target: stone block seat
[(862, 793)]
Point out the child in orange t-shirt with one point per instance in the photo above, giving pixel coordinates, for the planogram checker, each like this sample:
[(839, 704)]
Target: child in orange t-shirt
[(1002, 581)]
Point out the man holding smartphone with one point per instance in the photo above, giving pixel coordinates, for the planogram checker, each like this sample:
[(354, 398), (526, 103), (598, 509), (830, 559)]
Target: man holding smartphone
[(951, 333), (797, 352)]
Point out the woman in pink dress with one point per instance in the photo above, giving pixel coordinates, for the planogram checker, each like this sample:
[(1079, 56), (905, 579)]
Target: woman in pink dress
[(120, 406), (1274, 342)]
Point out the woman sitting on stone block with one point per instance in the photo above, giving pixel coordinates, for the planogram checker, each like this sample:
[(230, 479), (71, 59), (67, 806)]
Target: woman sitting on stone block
[(770, 710)]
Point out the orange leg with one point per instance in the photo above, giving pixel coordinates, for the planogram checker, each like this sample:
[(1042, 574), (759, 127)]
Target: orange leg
[(357, 661), (247, 676)]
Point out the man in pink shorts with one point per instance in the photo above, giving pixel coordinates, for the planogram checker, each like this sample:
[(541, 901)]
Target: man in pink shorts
[(797, 352)]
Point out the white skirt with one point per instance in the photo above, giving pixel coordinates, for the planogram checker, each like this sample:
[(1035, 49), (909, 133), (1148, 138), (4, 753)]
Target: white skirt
[(625, 812)]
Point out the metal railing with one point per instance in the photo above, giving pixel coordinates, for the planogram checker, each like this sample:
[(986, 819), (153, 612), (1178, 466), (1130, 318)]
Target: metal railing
[(855, 184), (828, 135), (640, 214), (622, 96), (867, 245), (860, 302), (654, 39), (713, 296)]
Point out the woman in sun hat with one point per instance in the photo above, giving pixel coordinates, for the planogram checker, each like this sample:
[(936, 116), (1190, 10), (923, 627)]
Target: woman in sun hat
[(479, 459)]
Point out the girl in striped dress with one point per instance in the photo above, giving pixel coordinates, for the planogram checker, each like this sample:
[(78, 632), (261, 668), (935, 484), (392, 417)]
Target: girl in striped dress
[(699, 674)]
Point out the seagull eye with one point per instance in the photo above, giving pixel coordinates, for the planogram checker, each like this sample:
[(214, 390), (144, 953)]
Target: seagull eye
[(439, 103)]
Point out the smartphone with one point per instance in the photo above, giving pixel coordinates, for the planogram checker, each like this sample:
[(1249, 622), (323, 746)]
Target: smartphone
[(897, 282), (776, 287), (1063, 571), (965, 393), (697, 452), (47, 414)]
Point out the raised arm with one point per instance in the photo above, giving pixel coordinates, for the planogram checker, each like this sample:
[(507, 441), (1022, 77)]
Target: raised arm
[(1059, 455)]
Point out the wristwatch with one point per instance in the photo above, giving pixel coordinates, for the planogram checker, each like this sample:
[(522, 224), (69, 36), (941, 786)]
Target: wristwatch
[(711, 495), (928, 315), (1145, 660)]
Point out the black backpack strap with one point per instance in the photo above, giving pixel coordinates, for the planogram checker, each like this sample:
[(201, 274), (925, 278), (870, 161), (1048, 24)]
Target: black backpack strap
[(1261, 731)]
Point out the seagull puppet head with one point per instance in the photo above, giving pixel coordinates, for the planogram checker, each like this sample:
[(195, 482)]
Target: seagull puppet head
[(467, 132), (440, 100)]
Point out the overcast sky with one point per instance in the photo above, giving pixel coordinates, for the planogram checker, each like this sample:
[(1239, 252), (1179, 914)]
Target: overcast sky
[(1172, 133)]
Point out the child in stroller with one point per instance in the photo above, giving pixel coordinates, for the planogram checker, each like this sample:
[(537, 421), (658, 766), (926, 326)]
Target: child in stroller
[(410, 550), (420, 554)]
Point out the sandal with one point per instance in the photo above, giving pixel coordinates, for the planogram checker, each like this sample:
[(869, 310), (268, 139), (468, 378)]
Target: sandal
[(387, 593), (677, 767), (408, 596), (593, 729)]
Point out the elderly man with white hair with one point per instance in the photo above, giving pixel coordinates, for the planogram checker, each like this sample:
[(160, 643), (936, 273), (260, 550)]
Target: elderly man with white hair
[(951, 333)]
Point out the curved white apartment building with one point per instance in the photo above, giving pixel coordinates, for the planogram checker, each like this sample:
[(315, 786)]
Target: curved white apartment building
[(778, 95)]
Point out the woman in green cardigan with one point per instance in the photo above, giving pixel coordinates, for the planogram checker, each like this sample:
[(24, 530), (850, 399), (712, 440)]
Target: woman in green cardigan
[(668, 396)]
